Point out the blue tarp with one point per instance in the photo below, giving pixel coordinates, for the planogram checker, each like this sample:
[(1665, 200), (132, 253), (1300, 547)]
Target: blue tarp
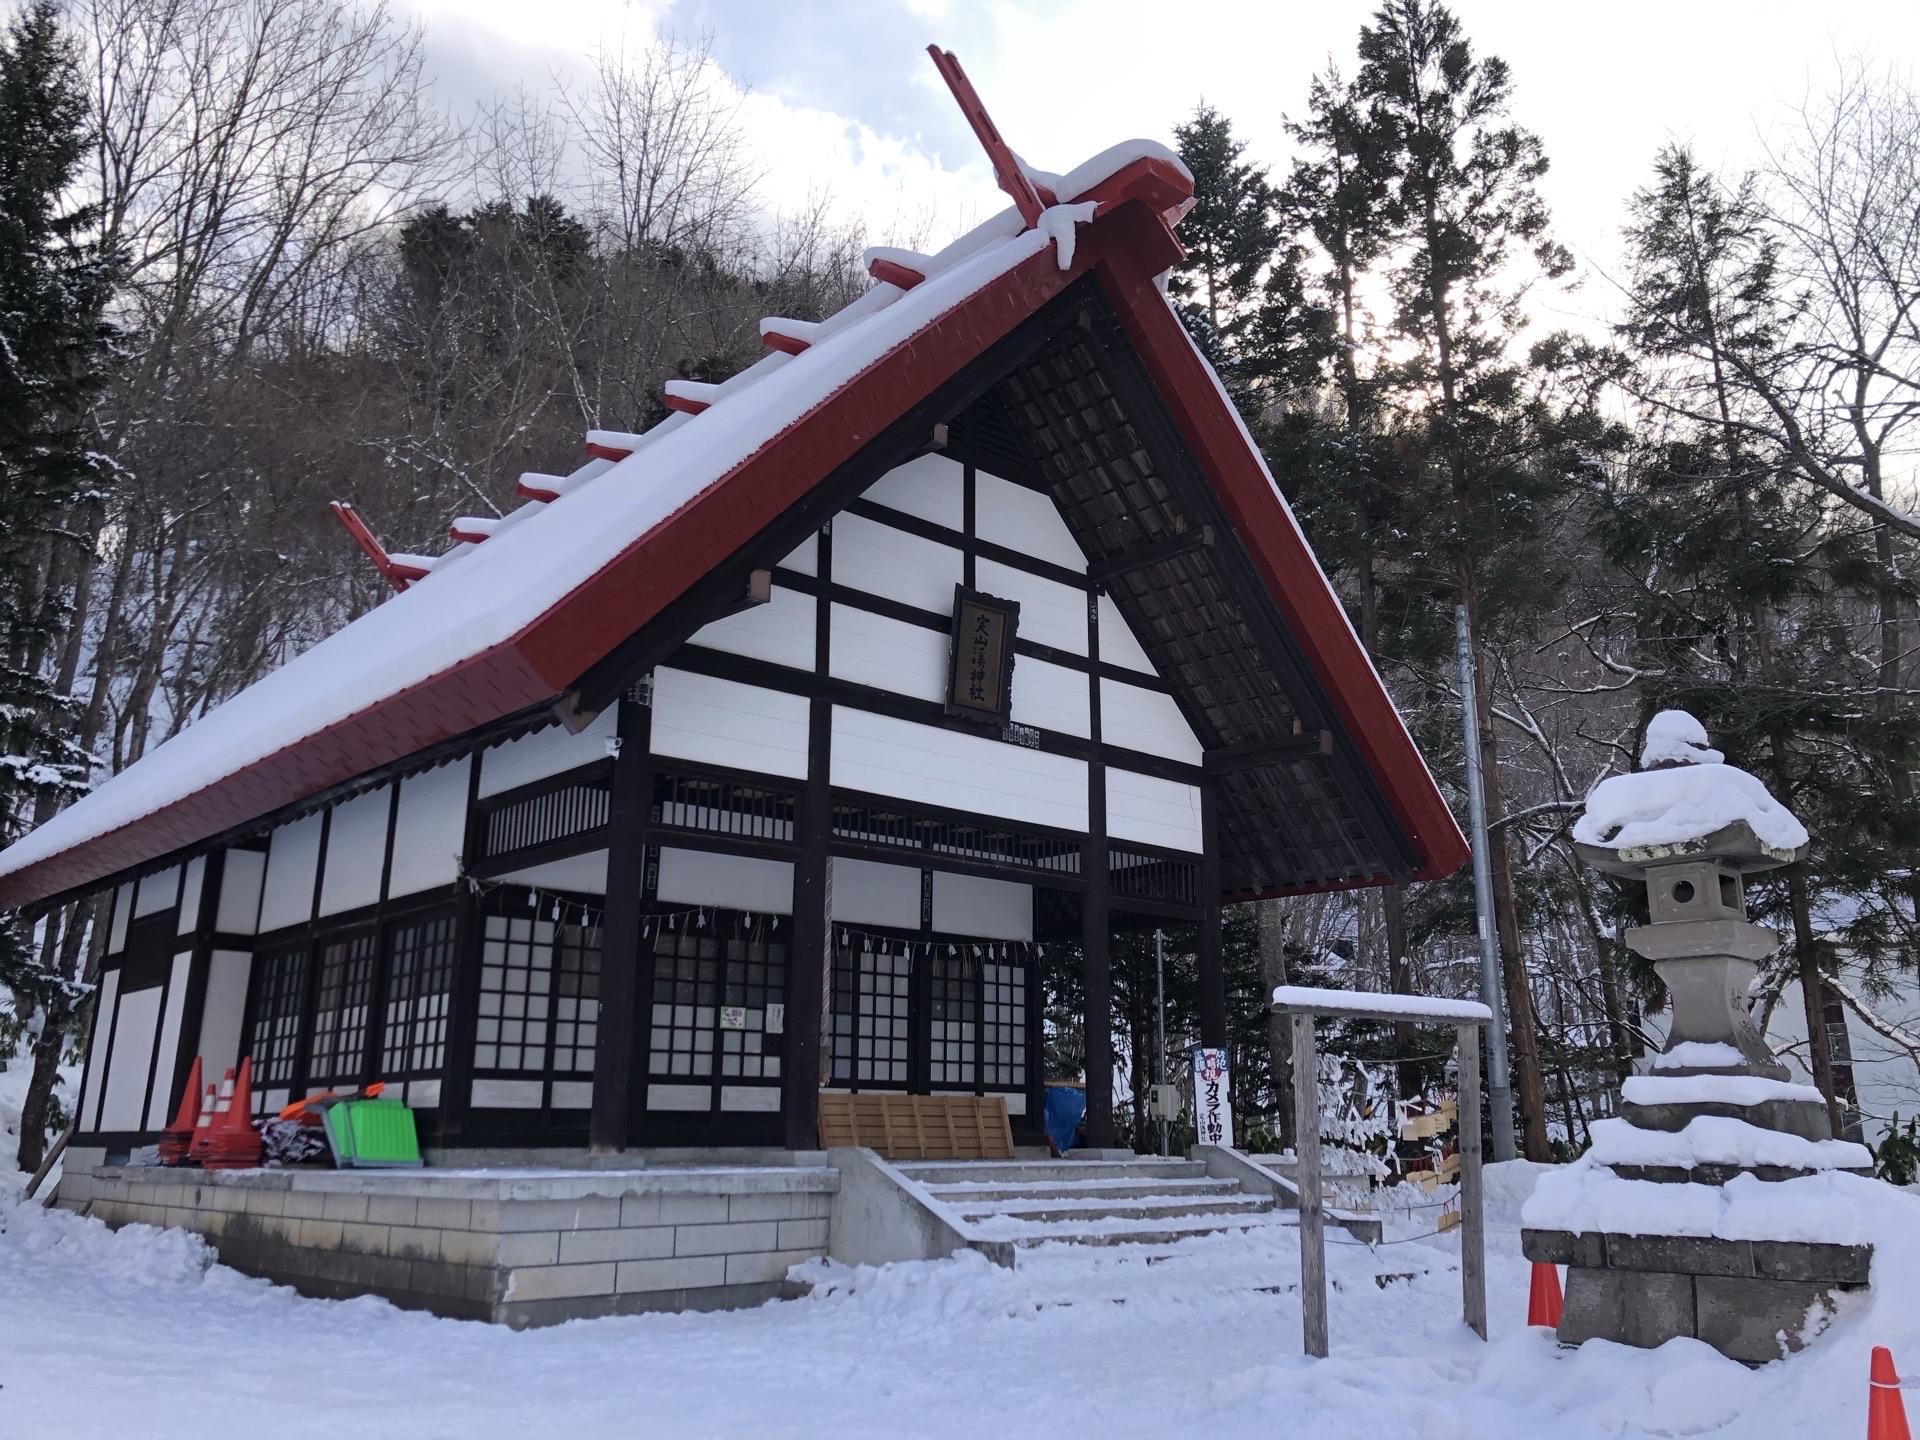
[(1065, 1106)]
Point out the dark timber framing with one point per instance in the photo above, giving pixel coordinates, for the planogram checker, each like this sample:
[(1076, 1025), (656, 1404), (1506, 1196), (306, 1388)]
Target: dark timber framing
[(1061, 406)]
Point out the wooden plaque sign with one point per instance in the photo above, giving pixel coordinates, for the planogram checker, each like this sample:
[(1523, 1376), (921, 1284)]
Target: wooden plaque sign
[(980, 675)]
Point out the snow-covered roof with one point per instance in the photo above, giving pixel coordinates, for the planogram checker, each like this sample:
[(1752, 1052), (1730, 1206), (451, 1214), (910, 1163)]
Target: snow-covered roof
[(514, 617)]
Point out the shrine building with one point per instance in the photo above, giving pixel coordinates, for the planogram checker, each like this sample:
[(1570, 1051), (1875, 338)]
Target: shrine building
[(763, 754)]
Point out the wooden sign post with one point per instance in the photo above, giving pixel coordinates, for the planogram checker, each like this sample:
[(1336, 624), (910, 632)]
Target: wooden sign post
[(1304, 1005)]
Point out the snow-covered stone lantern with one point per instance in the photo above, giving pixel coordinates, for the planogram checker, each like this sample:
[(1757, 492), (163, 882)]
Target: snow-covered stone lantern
[(1692, 828), (1714, 1206)]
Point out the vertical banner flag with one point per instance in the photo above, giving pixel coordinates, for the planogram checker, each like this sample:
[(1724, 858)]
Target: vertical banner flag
[(1212, 1110)]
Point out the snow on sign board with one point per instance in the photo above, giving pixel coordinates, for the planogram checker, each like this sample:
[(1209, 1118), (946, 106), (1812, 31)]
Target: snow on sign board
[(1212, 1109)]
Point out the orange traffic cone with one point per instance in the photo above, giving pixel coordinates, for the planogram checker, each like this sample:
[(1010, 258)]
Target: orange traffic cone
[(1886, 1411), (211, 1116), (175, 1139), (235, 1144), (1543, 1298)]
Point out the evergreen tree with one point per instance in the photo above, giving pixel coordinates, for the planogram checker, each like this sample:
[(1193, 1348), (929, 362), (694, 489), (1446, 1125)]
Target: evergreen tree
[(1492, 457), (1240, 290), (54, 285), (1748, 601)]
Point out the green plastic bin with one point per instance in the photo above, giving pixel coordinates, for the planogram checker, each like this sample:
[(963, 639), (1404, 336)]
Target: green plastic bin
[(367, 1134)]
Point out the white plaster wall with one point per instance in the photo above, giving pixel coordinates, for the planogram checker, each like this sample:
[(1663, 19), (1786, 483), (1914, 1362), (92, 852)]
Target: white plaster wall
[(287, 898), (931, 487), (585, 874), (735, 882), (1153, 811), (158, 892), (804, 558), (1050, 696), (126, 1094), (190, 888), (1146, 720), (356, 852), (870, 649), (241, 874), (430, 829), (989, 909), (122, 914), (225, 1010), (97, 1057), (1118, 644), (779, 632), (868, 893), (884, 756), (884, 561), (169, 1044), (1024, 520), (722, 722), (545, 752), (1050, 613)]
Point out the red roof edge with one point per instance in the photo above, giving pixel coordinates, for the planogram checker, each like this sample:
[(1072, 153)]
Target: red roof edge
[(1127, 245), (1312, 612)]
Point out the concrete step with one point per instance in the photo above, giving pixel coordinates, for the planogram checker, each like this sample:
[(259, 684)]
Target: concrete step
[(998, 1172), (1154, 1207), (966, 1193), (1025, 1234)]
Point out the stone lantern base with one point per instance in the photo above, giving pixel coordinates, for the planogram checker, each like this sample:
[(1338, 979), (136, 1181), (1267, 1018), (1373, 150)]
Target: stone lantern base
[(1749, 1299)]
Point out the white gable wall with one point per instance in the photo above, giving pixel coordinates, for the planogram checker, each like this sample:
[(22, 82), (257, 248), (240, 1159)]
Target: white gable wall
[(888, 654), (905, 568), (1050, 613), (931, 487), (722, 722), (779, 632), (1020, 519), (884, 756), (1136, 718)]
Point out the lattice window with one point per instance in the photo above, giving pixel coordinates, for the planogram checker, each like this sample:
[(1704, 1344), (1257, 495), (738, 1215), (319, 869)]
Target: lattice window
[(953, 1008), (516, 991), (902, 829), (871, 1015), (1003, 1025), (1151, 877), (576, 1001), (341, 1011), (280, 990), (419, 992), (712, 987)]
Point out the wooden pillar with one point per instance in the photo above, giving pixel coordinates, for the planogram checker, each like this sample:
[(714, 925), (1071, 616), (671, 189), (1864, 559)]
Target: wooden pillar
[(812, 957), (1096, 973), (1212, 971), (1313, 1248), (1473, 1239), (623, 955)]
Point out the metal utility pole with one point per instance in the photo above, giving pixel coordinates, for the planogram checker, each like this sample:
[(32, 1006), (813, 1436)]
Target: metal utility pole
[(1492, 993), (1160, 1029)]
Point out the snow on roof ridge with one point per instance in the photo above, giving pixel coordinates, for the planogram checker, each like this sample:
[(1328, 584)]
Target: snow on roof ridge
[(504, 586)]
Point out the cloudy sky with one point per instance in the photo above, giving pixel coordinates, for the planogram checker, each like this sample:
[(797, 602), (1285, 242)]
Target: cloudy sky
[(841, 97)]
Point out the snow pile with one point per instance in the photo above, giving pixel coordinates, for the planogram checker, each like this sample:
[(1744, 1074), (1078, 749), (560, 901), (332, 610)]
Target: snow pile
[(1700, 1055), (1720, 1140), (1675, 738), (1833, 1208), (1414, 1007), (109, 1336), (1715, 1090), (1057, 223), (1685, 793)]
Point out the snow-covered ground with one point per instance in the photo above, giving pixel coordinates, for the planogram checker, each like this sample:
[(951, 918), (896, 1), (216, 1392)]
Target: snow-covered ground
[(135, 1333)]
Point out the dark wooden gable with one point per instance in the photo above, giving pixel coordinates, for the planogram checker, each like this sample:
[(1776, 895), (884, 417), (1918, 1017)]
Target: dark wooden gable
[(1079, 415)]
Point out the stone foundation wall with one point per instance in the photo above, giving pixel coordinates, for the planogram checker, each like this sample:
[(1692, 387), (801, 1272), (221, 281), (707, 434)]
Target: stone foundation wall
[(1749, 1299), (515, 1249)]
